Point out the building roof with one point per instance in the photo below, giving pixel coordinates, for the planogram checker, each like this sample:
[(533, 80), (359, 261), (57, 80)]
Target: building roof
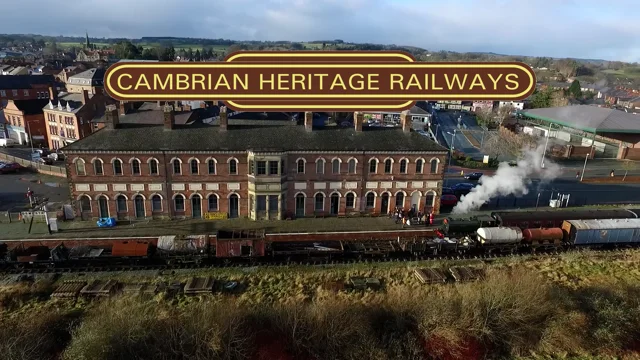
[(606, 224), (32, 106), (70, 102), (204, 137), (588, 118), (24, 81), (146, 113), (91, 77)]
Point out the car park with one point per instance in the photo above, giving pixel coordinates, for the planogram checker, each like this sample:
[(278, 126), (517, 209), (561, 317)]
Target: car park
[(447, 191), (462, 188), (475, 176)]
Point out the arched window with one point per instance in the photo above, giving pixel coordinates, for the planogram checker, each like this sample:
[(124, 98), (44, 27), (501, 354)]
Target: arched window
[(233, 167), (211, 166), (153, 167), (387, 166), (373, 166), (135, 167), (403, 166), (85, 203), (117, 167), (351, 201), (434, 166), (80, 167), (319, 202), (430, 198), (213, 202), (320, 166), (98, 167), (419, 166), (177, 167), (156, 203), (300, 166), (335, 166), (371, 200), (400, 200), (121, 203), (179, 203), (194, 166), (351, 166)]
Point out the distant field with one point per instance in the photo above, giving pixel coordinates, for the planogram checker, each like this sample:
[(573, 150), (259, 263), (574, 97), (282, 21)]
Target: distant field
[(77, 44), (628, 72)]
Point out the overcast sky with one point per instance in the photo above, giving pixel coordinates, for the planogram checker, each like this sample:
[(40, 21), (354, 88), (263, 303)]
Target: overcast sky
[(559, 28)]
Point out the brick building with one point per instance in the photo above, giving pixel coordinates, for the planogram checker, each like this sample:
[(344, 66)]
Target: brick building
[(188, 164), (25, 121), (91, 80), (24, 87)]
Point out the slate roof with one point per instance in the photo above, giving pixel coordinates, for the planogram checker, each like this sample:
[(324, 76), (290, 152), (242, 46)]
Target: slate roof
[(31, 107), (94, 76), (203, 137), (588, 118), (24, 81), (147, 113), (74, 101)]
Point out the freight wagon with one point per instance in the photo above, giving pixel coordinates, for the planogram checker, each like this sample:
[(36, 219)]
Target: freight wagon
[(554, 219), (600, 233)]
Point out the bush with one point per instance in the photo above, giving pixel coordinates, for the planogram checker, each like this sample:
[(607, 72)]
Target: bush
[(34, 335)]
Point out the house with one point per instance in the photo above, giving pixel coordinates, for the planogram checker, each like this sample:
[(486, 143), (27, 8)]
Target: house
[(480, 105), (516, 105), (90, 80), (630, 103), (69, 71), (25, 121), (163, 163), (69, 116), (20, 87), (95, 55)]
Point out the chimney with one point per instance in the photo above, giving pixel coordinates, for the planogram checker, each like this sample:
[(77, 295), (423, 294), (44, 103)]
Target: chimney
[(85, 97), (358, 120), (224, 121), (308, 121), (405, 121), (52, 93), (203, 105), (123, 108), (169, 117), (111, 117)]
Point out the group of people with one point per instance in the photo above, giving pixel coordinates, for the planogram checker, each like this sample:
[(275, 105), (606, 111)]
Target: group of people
[(407, 217)]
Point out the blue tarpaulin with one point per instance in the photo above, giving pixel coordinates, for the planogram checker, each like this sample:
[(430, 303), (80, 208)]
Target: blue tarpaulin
[(106, 222)]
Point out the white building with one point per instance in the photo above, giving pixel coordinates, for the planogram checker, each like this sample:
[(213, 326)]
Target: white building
[(518, 105)]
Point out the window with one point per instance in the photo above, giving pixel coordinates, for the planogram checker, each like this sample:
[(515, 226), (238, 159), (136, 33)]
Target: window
[(301, 166), (434, 166), (25, 92), (352, 166), (211, 166), (282, 167), (387, 166), (335, 166), (3, 93), (273, 203), (135, 167), (371, 200), (233, 167), (400, 200), (320, 166), (117, 167), (97, 167), (419, 166), (121, 203), (273, 167), (213, 203), (351, 201), (261, 203), (262, 168), (319, 203), (177, 168), (156, 203), (179, 203), (430, 198), (153, 167), (403, 166), (373, 166), (14, 92), (194, 167), (80, 167)]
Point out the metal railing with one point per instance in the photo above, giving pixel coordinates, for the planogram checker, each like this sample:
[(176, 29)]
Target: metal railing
[(54, 170)]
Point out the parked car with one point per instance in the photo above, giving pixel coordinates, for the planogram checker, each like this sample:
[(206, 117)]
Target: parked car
[(43, 160), (8, 143), (57, 155), (462, 188), (447, 191), (473, 176), (448, 200), (11, 167)]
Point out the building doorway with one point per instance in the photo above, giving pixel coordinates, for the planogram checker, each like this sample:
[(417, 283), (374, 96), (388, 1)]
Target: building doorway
[(138, 203), (300, 199), (196, 207), (335, 204), (415, 200), (384, 204), (103, 207), (234, 206)]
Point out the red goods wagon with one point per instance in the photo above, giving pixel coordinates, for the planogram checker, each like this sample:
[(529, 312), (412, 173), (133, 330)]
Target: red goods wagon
[(240, 244), (130, 249), (544, 235)]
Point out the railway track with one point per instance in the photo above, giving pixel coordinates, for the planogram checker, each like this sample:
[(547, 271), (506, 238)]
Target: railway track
[(288, 263)]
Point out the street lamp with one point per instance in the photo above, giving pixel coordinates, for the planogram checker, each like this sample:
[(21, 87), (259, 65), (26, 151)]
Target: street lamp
[(545, 145), (453, 139)]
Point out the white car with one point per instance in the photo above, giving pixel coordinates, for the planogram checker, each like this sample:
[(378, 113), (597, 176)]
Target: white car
[(8, 142)]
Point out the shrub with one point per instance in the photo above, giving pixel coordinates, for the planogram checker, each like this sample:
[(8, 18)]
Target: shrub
[(34, 335)]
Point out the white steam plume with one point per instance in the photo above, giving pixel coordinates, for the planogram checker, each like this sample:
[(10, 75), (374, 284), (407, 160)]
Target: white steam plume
[(509, 180)]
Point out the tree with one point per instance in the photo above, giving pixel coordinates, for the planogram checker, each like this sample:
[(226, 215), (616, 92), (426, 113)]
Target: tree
[(575, 90), (497, 145), (197, 56), (484, 117), (126, 50), (503, 114), (235, 47), (558, 99), (627, 166), (51, 49), (566, 67), (149, 54)]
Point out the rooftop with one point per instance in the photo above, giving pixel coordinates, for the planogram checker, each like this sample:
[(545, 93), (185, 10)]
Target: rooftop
[(93, 76), (32, 106), (146, 113), (588, 118), (24, 81), (256, 136), (71, 102)]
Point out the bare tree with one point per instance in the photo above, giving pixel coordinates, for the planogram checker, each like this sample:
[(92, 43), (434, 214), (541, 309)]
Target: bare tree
[(558, 99), (503, 114), (566, 67), (484, 116), (627, 166), (497, 145)]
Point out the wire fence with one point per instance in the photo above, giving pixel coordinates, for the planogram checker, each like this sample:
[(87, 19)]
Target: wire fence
[(50, 169)]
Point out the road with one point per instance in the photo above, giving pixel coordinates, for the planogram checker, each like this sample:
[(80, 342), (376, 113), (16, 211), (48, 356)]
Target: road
[(24, 153), (447, 126), (13, 189)]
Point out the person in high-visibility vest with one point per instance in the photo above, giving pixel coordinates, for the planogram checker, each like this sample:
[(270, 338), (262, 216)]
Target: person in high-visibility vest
[(461, 172)]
